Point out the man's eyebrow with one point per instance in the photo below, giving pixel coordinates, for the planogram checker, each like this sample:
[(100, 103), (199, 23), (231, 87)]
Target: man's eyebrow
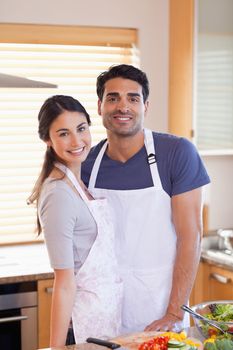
[(128, 94), (113, 94), (134, 94)]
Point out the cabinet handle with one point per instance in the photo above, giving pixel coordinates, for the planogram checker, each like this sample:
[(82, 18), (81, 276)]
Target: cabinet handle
[(49, 290), (220, 278), (13, 319)]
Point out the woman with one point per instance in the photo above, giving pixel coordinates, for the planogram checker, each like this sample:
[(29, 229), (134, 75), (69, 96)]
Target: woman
[(77, 229)]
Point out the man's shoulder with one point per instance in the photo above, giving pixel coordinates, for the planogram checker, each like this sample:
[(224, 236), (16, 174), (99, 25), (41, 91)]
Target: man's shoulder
[(166, 143), (87, 165), (171, 140), (95, 151)]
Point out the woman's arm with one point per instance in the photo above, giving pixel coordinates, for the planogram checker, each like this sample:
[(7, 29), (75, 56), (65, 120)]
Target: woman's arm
[(62, 303)]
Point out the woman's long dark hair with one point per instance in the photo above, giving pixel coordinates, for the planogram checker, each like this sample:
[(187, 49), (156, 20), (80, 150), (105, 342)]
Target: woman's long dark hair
[(50, 110)]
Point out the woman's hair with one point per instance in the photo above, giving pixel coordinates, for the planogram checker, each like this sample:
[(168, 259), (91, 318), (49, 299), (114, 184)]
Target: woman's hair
[(50, 110)]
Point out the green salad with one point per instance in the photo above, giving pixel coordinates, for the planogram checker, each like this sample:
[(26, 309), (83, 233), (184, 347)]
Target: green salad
[(220, 312)]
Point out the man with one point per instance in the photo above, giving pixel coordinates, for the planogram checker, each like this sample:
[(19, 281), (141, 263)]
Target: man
[(153, 185)]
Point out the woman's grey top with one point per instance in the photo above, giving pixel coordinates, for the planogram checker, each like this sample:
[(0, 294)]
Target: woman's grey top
[(68, 226)]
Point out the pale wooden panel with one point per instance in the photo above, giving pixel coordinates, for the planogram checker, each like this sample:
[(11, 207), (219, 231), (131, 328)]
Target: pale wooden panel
[(44, 307), (181, 67), (220, 284), (69, 35)]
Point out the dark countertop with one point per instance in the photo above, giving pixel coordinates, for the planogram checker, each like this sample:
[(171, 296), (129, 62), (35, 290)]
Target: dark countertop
[(25, 262)]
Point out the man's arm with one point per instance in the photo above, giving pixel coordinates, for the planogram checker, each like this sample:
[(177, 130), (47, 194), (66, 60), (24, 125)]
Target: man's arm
[(187, 219)]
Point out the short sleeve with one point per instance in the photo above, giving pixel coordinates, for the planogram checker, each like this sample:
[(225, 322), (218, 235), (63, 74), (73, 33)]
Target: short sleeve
[(58, 217), (188, 171)]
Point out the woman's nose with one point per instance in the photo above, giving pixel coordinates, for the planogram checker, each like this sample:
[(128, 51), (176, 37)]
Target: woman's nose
[(75, 140)]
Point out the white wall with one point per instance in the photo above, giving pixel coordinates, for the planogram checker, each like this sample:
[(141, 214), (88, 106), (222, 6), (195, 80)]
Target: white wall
[(150, 17)]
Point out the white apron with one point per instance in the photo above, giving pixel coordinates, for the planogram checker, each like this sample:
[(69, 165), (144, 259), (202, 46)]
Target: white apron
[(98, 301), (145, 244)]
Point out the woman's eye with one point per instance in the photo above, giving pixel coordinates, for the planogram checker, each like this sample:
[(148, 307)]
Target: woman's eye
[(81, 128), (63, 134)]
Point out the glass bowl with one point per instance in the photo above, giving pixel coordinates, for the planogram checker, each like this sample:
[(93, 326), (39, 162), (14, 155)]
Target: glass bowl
[(208, 309)]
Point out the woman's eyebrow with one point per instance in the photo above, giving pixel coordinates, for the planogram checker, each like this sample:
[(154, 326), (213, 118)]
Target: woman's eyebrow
[(62, 129), (78, 126)]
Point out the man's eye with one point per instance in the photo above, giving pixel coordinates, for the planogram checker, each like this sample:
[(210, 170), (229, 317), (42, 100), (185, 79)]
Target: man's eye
[(134, 99), (112, 99)]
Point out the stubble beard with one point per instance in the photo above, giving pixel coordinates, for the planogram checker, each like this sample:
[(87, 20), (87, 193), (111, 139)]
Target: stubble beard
[(122, 132)]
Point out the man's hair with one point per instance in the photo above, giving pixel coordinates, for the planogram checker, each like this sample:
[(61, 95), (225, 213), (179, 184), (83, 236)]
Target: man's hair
[(124, 71)]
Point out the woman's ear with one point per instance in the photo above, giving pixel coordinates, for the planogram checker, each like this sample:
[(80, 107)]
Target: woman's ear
[(48, 143)]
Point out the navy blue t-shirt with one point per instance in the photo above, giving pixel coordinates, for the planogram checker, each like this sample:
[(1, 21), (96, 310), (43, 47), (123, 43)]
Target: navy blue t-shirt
[(179, 164)]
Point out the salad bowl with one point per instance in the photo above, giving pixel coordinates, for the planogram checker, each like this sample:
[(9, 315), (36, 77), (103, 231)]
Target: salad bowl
[(218, 312)]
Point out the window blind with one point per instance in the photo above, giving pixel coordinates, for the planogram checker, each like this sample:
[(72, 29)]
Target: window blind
[(214, 121), (73, 68)]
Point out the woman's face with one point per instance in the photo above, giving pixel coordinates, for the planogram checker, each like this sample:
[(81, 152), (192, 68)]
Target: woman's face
[(70, 138)]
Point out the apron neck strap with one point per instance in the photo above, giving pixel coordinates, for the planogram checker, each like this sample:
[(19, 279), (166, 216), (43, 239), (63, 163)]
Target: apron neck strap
[(96, 166), (151, 158), (72, 179)]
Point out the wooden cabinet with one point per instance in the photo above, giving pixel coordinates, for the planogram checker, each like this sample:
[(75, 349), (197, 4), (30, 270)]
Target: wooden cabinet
[(45, 288), (220, 283), (198, 291), (212, 283)]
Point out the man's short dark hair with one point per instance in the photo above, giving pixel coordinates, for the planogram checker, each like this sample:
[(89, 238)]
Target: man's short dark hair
[(124, 71)]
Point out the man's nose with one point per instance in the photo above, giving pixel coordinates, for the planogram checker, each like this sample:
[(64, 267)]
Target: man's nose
[(123, 106)]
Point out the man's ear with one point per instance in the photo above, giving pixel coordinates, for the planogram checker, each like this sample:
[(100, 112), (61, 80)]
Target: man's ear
[(99, 107), (146, 106)]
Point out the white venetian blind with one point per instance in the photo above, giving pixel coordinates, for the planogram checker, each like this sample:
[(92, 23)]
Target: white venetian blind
[(215, 92), (73, 68)]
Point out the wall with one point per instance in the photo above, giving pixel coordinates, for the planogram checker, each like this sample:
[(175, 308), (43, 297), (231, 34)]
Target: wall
[(151, 19)]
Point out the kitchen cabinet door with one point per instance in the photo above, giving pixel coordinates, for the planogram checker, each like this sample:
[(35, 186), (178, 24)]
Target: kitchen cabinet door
[(45, 288), (212, 283), (220, 283)]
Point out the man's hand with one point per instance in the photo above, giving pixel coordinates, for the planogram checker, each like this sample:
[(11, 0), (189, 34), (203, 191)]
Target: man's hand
[(167, 323)]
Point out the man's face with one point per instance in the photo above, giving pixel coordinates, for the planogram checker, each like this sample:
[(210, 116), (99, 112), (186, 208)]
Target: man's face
[(122, 107)]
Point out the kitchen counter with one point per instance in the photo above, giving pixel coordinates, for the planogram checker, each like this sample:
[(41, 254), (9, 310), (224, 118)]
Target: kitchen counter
[(26, 262), (30, 262), (192, 332), (212, 255)]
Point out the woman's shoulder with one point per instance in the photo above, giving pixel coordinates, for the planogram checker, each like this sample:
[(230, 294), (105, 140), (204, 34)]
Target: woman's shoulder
[(54, 189)]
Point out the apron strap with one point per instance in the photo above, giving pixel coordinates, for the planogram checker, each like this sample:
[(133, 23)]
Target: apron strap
[(150, 149), (73, 180), (95, 169), (151, 158)]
